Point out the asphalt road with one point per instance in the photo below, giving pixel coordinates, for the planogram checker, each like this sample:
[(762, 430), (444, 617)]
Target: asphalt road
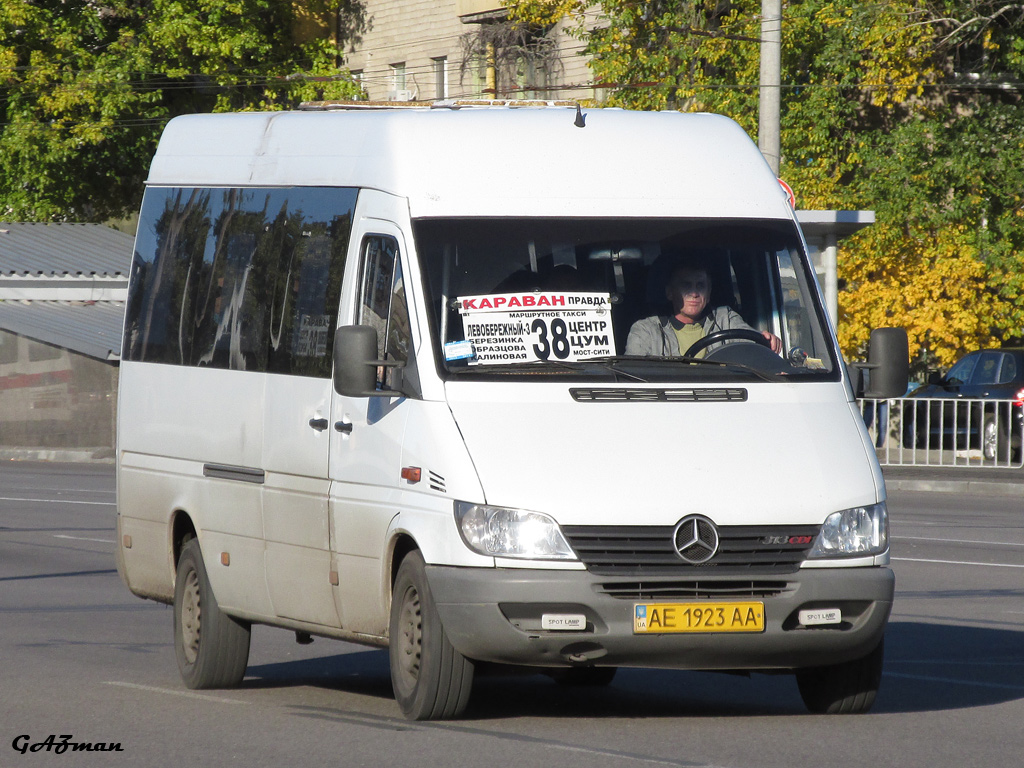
[(82, 658)]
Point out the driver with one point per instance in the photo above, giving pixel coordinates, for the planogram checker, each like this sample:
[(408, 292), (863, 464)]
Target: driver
[(688, 290)]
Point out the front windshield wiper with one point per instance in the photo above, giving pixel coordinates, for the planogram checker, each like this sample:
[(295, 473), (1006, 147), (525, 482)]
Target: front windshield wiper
[(608, 363), (690, 360), (603, 363)]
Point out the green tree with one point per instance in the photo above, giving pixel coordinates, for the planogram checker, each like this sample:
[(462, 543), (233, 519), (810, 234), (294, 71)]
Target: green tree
[(86, 86)]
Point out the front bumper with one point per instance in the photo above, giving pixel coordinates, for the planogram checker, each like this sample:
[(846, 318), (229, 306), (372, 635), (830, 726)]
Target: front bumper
[(495, 615)]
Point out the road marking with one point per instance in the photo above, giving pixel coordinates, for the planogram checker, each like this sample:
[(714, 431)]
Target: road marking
[(961, 541), (62, 501), (391, 723), (954, 681), (69, 574), (956, 562), (174, 692), (959, 662), (82, 538), (49, 489)]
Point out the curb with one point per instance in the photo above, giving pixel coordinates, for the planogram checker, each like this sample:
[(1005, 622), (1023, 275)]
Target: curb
[(980, 487), (59, 455)]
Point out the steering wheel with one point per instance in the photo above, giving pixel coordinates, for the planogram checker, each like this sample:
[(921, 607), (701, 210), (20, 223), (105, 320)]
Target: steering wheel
[(728, 335)]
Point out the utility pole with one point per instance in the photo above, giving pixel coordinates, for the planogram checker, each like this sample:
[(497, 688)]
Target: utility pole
[(768, 140), (491, 78)]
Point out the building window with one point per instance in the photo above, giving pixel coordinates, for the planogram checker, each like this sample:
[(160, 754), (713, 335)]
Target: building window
[(398, 76), (357, 78), (440, 77)]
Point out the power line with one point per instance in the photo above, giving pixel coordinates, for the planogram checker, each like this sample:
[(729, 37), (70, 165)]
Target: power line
[(153, 82)]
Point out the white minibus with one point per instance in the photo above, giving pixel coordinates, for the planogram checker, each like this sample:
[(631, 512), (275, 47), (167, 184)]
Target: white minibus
[(496, 385)]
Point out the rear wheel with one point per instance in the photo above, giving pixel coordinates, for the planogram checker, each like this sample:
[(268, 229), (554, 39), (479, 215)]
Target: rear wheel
[(212, 648), (431, 680), (995, 444), (842, 689)]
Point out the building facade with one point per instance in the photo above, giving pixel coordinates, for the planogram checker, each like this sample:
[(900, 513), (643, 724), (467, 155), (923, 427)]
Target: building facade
[(430, 50)]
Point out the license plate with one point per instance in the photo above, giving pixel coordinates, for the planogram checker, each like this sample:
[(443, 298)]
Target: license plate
[(653, 618)]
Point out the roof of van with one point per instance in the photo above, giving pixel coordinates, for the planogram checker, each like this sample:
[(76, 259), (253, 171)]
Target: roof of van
[(493, 161)]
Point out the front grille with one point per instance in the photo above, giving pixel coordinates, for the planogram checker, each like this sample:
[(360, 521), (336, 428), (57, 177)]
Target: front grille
[(693, 590), (637, 550)]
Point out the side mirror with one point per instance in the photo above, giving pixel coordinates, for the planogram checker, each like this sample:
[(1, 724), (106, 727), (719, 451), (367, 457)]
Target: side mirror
[(356, 363), (856, 373), (934, 378), (888, 363)]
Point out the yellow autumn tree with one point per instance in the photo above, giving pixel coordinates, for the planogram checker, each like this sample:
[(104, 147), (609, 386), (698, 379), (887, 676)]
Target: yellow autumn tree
[(934, 285)]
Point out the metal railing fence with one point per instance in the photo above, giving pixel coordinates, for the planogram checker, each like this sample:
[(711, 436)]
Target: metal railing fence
[(953, 431)]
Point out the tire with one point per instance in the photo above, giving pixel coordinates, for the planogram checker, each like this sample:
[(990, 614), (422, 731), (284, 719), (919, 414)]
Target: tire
[(212, 647), (995, 445), (431, 680), (591, 677), (842, 689)]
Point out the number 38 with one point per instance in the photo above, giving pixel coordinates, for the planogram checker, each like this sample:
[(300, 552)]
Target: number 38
[(559, 343)]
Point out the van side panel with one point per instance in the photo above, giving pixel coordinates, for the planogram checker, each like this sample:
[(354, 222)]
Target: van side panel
[(295, 516), (169, 462)]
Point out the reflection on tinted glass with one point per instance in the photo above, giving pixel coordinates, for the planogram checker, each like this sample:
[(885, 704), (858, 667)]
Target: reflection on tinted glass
[(245, 279), (379, 256), (384, 305), (987, 369), (1008, 372), (961, 372)]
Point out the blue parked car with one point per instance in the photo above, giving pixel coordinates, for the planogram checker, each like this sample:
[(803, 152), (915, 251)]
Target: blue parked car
[(958, 415)]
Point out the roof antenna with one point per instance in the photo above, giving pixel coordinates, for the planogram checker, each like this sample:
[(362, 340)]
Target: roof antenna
[(581, 120)]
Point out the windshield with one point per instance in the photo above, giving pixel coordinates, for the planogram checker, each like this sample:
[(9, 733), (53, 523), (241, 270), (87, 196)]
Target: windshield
[(628, 299)]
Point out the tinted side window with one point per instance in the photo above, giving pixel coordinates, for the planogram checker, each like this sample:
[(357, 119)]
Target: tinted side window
[(987, 369), (1008, 370), (245, 279), (961, 372), (384, 305)]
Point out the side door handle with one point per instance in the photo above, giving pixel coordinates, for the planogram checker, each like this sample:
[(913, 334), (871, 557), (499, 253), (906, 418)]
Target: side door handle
[(343, 426), (318, 424)]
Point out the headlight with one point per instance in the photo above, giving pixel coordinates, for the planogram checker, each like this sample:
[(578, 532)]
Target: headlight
[(857, 532), (502, 532)]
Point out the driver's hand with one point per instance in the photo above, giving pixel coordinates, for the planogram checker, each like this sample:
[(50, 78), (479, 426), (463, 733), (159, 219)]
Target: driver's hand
[(774, 340)]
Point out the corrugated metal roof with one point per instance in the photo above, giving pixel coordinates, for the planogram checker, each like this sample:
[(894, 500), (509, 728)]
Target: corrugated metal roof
[(93, 329), (53, 250)]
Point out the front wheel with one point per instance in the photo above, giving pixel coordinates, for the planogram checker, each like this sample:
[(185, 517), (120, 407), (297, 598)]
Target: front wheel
[(842, 689), (212, 648), (431, 680)]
